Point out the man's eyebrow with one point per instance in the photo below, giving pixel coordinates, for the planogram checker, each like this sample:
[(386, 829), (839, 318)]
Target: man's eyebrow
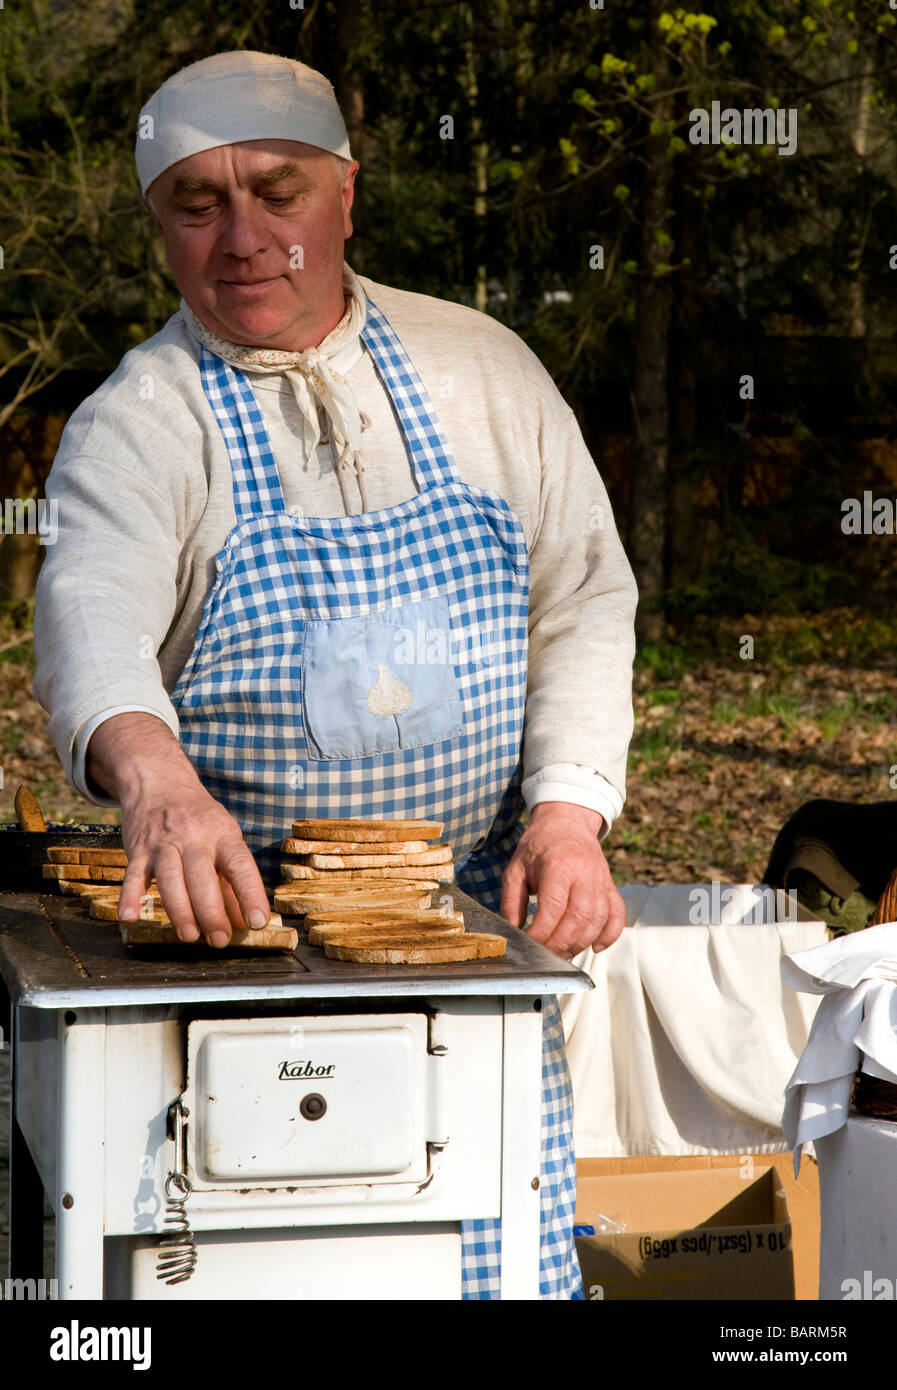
[(191, 183), (278, 173)]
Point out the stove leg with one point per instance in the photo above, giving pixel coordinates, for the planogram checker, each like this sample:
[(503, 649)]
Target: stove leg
[(26, 1193), (521, 1148), (80, 1155)]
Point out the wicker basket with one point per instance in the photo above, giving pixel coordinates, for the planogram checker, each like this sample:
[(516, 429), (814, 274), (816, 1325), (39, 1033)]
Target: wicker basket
[(870, 1095)]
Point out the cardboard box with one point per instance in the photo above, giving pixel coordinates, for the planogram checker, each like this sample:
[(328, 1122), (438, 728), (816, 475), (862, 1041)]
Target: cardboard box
[(697, 1235), (801, 1196)]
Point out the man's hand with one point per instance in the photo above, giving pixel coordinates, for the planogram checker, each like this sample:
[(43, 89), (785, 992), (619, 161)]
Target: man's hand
[(559, 859), (173, 830)]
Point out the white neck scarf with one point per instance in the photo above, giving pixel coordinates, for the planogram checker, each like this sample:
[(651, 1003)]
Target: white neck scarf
[(314, 375)]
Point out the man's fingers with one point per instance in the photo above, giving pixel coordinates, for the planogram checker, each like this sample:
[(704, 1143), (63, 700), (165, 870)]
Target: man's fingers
[(553, 890), (515, 893), (204, 889), (616, 921), (137, 877), (237, 866), (582, 912), (231, 906), (173, 892)]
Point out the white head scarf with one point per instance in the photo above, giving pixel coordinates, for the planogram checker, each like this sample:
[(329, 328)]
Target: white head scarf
[(232, 97)]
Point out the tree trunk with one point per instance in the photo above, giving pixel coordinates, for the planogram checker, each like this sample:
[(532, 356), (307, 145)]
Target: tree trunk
[(349, 88), (684, 560), (20, 561), (647, 521), (856, 291), (479, 151)]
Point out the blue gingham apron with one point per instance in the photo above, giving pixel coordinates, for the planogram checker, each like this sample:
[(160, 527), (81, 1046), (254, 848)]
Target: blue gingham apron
[(309, 620)]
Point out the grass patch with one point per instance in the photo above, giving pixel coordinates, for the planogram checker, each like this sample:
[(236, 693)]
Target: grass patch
[(667, 662), (12, 738), (662, 697), (654, 745)]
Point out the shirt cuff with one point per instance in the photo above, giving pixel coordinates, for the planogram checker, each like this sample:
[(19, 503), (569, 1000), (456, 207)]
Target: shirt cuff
[(579, 785), (80, 782)]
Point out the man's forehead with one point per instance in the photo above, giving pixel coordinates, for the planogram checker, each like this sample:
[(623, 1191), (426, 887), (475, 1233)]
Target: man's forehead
[(258, 161)]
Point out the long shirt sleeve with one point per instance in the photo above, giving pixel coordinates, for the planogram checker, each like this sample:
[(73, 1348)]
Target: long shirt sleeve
[(145, 496)]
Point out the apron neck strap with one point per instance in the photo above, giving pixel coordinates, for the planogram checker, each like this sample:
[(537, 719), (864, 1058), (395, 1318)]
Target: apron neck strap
[(256, 480), (428, 452)]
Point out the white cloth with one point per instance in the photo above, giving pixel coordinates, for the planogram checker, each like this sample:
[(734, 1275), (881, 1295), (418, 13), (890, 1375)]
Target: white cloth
[(232, 97), (688, 1038), (856, 1024), (316, 377)]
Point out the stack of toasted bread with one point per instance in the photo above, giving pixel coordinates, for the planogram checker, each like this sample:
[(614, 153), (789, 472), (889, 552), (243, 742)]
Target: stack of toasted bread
[(365, 890), (97, 875)]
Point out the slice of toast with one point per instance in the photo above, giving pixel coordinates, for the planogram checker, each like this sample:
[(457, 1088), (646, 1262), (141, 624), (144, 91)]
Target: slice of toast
[(333, 884), (66, 871), (440, 872), (437, 949), (112, 858), (61, 854), (103, 873), (360, 829), (273, 937), (431, 917), (28, 811), (297, 904), (109, 858), (101, 890), (437, 854), (319, 933), (293, 846)]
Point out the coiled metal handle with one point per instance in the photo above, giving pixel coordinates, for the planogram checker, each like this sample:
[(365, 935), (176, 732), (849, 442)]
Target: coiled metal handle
[(177, 1248)]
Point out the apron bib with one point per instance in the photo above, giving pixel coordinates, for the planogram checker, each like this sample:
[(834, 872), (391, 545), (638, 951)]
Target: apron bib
[(371, 665), (374, 665)]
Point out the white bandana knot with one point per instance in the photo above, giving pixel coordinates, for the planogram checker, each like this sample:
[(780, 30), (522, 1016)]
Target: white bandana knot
[(314, 376)]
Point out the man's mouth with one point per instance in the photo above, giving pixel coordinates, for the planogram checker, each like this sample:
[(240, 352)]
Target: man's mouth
[(249, 285)]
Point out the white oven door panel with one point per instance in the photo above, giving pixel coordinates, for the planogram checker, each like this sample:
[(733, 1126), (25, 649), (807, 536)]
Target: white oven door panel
[(462, 1181), (333, 1263), (289, 1099)]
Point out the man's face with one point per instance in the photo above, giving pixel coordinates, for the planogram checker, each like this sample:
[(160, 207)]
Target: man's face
[(255, 236)]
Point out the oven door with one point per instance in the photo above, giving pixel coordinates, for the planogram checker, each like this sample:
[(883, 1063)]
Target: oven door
[(308, 1100)]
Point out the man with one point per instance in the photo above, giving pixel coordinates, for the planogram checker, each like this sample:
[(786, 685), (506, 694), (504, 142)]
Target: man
[(277, 512)]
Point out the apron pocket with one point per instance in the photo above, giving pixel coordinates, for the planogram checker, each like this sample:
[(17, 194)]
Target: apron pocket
[(380, 683)]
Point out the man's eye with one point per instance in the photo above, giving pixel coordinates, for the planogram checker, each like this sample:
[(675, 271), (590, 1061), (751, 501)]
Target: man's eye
[(199, 212), (279, 202)]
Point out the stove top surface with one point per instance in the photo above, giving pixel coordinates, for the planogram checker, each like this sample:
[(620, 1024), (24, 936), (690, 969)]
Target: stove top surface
[(54, 955)]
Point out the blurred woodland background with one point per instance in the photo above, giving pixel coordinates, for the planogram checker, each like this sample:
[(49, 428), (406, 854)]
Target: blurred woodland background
[(651, 275)]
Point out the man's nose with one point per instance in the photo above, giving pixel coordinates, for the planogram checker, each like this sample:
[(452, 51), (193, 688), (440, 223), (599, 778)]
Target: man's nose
[(241, 232)]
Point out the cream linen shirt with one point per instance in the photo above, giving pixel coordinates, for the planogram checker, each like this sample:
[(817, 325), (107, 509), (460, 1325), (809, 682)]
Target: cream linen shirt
[(144, 490)]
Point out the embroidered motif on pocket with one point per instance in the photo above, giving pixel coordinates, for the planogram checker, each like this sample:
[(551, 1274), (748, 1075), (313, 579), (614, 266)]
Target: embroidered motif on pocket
[(380, 683)]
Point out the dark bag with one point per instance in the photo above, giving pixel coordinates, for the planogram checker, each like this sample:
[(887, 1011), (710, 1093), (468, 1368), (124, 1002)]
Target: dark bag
[(837, 857)]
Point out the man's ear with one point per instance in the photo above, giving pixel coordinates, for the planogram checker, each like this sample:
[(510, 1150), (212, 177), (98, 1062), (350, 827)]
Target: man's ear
[(348, 196)]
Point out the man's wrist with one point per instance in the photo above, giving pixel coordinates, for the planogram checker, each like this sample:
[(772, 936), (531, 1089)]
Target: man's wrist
[(593, 821), (129, 752)]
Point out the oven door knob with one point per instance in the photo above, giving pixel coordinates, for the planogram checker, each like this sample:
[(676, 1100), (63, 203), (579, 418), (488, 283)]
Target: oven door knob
[(312, 1106)]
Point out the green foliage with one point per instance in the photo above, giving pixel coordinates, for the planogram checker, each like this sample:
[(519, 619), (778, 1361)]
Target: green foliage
[(571, 108)]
